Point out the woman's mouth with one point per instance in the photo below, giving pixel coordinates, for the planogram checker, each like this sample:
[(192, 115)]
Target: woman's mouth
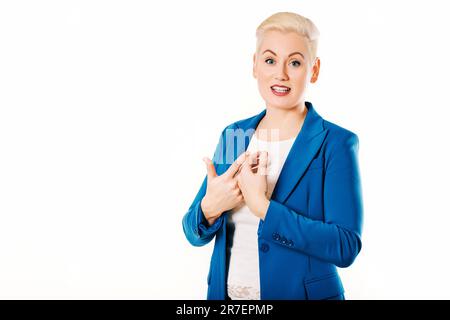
[(280, 90)]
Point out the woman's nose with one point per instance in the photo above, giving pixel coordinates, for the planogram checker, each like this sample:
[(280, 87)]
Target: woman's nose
[(281, 74)]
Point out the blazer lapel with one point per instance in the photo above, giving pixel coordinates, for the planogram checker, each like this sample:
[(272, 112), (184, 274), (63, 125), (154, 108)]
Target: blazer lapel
[(305, 147)]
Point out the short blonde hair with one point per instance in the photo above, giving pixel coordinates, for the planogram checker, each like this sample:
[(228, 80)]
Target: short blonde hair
[(289, 21)]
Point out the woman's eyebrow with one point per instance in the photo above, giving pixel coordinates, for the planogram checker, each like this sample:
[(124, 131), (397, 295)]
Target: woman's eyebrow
[(296, 52)]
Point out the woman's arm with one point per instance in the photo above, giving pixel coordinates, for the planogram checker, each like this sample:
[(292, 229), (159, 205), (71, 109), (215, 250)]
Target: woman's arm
[(337, 239), (195, 226)]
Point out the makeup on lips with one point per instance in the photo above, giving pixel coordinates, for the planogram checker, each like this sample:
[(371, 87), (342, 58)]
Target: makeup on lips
[(279, 90)]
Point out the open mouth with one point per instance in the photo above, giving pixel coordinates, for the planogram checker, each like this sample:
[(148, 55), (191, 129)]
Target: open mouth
[(280, 90)]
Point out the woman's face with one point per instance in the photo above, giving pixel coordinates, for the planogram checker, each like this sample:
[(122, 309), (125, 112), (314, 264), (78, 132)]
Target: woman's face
[(283, 60)]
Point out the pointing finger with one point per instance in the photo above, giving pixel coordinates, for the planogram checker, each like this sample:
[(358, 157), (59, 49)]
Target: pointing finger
[(263, 160), (236, 165)]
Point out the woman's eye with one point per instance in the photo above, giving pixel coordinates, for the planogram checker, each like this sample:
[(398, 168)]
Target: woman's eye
[(271, 61)]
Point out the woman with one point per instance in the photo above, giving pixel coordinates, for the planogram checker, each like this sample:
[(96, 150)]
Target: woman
[(285, 205)]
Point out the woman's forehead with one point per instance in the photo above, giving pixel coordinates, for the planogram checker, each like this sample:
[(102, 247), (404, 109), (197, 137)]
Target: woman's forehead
[(283, 42)]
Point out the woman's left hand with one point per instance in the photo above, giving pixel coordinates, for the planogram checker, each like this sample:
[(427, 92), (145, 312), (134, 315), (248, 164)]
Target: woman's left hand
[(253, 183)]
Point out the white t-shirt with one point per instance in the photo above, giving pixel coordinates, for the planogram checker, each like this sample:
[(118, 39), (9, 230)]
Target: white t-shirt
[(242, 227)]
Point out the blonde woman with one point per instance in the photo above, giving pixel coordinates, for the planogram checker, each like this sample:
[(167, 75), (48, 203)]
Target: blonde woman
[(282, 196)]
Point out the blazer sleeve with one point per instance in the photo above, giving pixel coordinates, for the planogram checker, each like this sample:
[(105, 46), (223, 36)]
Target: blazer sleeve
[(195, 226), (337, 239)]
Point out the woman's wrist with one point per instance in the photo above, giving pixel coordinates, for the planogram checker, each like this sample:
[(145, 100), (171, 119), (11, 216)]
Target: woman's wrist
[(211, 221), (261, 208), (208, 212)]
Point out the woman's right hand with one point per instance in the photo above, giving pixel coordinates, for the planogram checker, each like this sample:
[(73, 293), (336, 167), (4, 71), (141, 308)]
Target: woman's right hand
[(222, 192)]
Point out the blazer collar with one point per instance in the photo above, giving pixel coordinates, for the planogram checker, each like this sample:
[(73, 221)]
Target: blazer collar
[(305, 147), (312, 125)]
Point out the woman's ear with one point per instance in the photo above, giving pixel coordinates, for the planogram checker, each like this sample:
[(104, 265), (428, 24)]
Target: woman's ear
[(254, 65), (315, 70)]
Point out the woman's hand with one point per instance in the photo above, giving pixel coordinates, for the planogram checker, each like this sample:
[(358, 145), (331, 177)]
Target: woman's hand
[(253, 183), (222, 192)]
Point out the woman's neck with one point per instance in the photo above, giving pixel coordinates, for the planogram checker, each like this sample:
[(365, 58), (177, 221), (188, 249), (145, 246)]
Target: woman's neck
[(281, 124)]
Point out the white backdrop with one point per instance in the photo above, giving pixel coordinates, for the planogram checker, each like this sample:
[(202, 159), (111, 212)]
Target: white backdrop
[(107, 108)]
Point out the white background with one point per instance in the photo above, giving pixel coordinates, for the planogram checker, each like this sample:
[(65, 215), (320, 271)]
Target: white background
[(107, 108)]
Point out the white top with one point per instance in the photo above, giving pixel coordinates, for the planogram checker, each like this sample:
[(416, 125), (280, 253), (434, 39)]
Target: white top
[(243, 274)]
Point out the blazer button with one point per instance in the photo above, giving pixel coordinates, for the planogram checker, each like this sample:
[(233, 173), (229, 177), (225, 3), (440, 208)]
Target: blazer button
[(264, 247), (290, 243), (275, 236), (283, 240)]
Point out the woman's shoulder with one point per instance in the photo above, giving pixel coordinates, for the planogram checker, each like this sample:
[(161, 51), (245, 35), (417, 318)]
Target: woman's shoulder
[(338, 131), (246, 123), (339, 136)]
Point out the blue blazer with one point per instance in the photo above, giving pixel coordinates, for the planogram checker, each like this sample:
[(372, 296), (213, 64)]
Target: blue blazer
[(314, 220)]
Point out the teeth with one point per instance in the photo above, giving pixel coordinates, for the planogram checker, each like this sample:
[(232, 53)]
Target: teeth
[(279, 89)]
